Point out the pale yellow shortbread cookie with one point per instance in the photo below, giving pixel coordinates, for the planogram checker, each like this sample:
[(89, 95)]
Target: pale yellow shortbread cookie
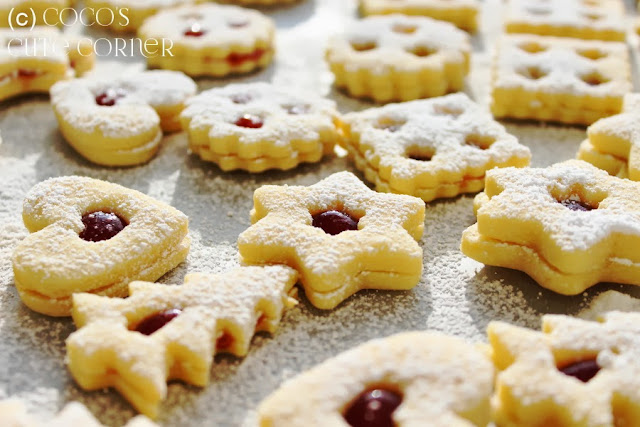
[(435, 379), (119, 121), (93, 236), (340, 235), (210, 40), (461, 13), (13, 413), (580, 19), (399, 58), (164, 332), (559, 79), (259, 126), (434, 148), (575, 373), (31, 61), (568, 226), (613, 143)]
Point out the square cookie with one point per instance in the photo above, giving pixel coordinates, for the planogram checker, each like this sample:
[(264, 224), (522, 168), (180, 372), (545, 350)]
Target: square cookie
[(559, 79), (591, 19)]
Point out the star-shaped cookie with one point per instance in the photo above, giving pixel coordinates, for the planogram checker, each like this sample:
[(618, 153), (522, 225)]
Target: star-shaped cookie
[(164, 332), (613, 143), (568, 226), (573, 373), (340, 235)]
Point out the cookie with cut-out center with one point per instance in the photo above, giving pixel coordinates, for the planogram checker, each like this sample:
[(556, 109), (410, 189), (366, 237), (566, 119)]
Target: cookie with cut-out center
[(613, 143), (580, 19), (164, 332), (462, 13), (340, 235), (93, 236), (31, 61), (573, 373), (259, 126), (13, 413), (119, 121), (434, 148), (568, 226), (402, 380), (399, 58), (210, 40), (21, 13), (558, 79)]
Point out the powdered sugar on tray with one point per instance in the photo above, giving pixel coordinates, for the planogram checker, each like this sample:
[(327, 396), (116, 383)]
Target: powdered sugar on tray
[(456, 295)]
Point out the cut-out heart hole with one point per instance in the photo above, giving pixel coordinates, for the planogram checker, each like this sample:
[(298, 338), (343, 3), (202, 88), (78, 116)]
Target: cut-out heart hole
[(404, 29), (423, 51), (363, 46)]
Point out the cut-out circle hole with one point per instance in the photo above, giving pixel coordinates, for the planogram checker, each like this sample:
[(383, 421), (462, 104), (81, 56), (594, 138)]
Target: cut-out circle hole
[(577, 204), (593, 16), (404, 29), (538, 11), (373, 407), (447, 110), (423, 154), (423, 51), (100, 226), (389, 125), (593, 54), (364, 46), (594, 79), (532, 47), (532, 73), (479, 141), (334, 222)]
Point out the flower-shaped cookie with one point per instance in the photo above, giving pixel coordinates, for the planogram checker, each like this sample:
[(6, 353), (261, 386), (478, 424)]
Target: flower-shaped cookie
[(580, 19), (402, 381), (559, 79), (430, 148), (164, 332), (399, 58), (119, 121), (574, 373), (93, 236), (13, 413), (461, 13), (128, 15), (259, 126), (339, 235), (210, 40), (31, 61), (568, 226), (614, 142), (45, 12)]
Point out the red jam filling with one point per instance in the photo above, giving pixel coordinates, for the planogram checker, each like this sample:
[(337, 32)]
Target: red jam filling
[(110, 97), (334, 222), (194, 31), (373, 408), (99, 226), (236, 59), (156, 321), (28, 73), (224, 342), (576, 205), (249, 121), (583, 370)]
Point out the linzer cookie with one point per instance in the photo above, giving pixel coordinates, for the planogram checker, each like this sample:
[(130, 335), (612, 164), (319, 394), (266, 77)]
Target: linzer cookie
[(259, 126), (402, 380), (119, 121), (573, 373), (613, 143), (559, 79), (128, 15), (340, 235), (13, 413), (580, 19), (399, 58), (31, 61), (568, 226), (45, 12), (462, 13), (165, 332), (93, 236), (210, 40), (434, 148)]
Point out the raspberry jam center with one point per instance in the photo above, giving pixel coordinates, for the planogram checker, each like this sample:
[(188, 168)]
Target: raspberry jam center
[(99, 226), (156, 321), (249, 121), (373, 408), (583, 370), (109, 97), (194, 31), (334, 222), (576, 205)]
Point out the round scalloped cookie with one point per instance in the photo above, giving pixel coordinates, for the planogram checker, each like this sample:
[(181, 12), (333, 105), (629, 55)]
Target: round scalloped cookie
[(119, 121), (210, 39)]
